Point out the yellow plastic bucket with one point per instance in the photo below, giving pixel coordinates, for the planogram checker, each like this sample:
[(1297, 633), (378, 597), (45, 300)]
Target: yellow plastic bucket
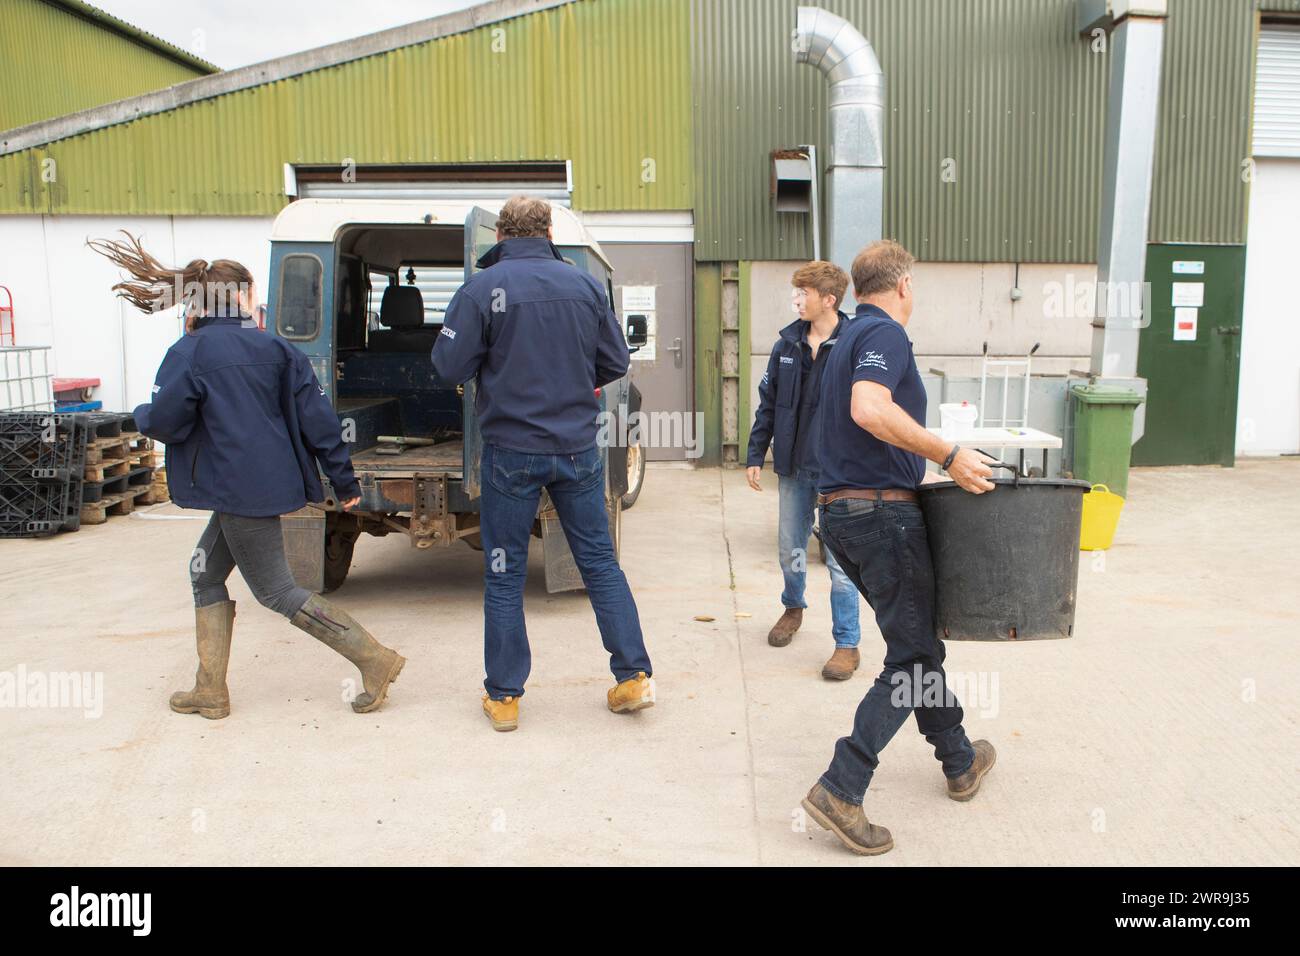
[(1101, 508)]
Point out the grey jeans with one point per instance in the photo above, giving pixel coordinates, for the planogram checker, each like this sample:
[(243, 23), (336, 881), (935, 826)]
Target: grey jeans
[(256, 547)]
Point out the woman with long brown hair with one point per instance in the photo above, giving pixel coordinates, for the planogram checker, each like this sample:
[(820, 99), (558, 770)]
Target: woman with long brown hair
[(245, 423)]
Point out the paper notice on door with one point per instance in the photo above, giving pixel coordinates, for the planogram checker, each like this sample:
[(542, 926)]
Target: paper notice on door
[(638, 298), (1185, 324), (1190, 294)]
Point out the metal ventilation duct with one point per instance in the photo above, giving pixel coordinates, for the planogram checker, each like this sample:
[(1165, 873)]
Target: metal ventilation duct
[(855, 173)]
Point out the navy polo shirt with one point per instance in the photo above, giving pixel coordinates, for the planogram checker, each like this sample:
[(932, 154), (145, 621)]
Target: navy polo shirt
[(873, 348), (805, 429)]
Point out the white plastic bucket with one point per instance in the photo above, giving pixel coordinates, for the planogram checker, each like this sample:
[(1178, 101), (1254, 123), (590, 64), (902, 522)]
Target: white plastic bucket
[(957, 420)]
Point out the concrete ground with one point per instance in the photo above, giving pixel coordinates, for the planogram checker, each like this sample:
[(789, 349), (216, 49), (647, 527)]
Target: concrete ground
[(1164, 732)]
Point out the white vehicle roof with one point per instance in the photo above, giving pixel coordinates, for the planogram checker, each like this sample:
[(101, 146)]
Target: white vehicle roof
[(319, 220)]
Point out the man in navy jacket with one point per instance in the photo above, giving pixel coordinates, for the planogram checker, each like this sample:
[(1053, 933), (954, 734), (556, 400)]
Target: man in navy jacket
[(787, 418), (541, 336)]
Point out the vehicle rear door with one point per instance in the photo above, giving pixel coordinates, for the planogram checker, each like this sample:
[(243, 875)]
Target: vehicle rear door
[(480, 236)]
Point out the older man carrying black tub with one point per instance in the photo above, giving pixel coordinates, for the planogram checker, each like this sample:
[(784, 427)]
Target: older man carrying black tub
[(873, 452)]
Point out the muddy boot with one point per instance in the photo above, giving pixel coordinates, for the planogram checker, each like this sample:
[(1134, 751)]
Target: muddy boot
[(782, 632), (848, 822), (379, 665), (210, 698), (968, 784), (842, 664)]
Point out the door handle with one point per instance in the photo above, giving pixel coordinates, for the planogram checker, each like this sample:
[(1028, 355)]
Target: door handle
[(677, 348), (1227, 330)]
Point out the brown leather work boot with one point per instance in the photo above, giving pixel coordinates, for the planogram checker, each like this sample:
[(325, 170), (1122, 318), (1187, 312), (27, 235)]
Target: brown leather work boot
[(503, 713), (782, 632), (210, 698), (848, 822), (968, 784), (635, 693), (378, 664), (842, 664)]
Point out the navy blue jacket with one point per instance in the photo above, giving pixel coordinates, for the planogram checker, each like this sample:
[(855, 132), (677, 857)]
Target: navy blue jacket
[(542, 336), (777, 418), (245, 422)]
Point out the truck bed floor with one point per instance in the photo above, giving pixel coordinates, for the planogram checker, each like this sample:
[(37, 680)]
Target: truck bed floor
[(445, 456)]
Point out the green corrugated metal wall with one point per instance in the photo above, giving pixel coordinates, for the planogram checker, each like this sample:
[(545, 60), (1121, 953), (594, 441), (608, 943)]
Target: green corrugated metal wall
[(1203, 133), (1004, 87), (605, 83), (52, 63)]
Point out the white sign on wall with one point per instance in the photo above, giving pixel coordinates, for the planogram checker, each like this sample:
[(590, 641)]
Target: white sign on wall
[(1190, 294), (638, 298), (1185, 324)]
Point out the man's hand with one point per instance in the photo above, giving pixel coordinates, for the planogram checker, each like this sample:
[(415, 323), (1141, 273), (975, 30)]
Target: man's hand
[(350, 503), (971, 471), (751, 476)]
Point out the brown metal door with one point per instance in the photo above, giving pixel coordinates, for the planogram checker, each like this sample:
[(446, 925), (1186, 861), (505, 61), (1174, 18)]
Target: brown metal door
[(654, 279)]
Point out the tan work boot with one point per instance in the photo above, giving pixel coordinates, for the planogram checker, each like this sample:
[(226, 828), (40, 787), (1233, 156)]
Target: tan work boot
[(635, 693), (378, 664), (848, 822), (782, 632), (968, 784), (842, 664), (210, 698), (503, 713)]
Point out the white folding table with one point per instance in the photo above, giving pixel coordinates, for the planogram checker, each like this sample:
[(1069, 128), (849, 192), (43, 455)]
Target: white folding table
[(1017, 437)]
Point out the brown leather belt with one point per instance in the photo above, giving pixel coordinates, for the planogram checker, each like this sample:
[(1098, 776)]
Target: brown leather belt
[(873, 494)]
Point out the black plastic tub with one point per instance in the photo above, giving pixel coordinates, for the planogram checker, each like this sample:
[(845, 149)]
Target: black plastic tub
[(1006, 563)]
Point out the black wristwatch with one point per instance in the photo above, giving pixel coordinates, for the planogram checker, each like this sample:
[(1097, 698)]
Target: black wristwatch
[(951, 455)]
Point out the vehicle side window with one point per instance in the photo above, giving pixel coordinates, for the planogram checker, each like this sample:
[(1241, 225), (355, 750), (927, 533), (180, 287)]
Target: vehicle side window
[(298, 310)]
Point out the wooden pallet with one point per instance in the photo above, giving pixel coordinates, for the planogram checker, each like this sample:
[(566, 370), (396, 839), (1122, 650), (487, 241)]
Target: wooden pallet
[(128, 445), (107, 449), (155, 494), (147, 456), (103, 470), (98, 512)]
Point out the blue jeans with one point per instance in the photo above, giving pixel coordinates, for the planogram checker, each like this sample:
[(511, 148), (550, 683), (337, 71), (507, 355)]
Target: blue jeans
[(883, 547), (797, 505), (512, 484)]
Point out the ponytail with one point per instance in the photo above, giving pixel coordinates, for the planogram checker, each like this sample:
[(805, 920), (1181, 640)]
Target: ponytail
[(153, 287)]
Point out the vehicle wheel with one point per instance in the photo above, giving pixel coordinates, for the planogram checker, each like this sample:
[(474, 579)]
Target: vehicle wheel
[(635, 475), (338, 558)]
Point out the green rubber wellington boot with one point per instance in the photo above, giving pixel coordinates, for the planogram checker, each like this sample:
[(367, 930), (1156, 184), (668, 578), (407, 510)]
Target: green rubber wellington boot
[(210, 698), (333, 627)]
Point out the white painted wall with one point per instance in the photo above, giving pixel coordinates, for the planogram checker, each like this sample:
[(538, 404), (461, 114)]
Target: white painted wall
[(959, 306), (1268, 399), (63, 298)]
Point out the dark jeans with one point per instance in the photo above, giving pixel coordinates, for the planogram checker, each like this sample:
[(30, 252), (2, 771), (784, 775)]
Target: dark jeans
[(256, 547), (512, 485), (884, 550)]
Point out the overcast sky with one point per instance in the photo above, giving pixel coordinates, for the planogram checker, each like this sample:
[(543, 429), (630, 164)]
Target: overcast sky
[(234, 33)]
